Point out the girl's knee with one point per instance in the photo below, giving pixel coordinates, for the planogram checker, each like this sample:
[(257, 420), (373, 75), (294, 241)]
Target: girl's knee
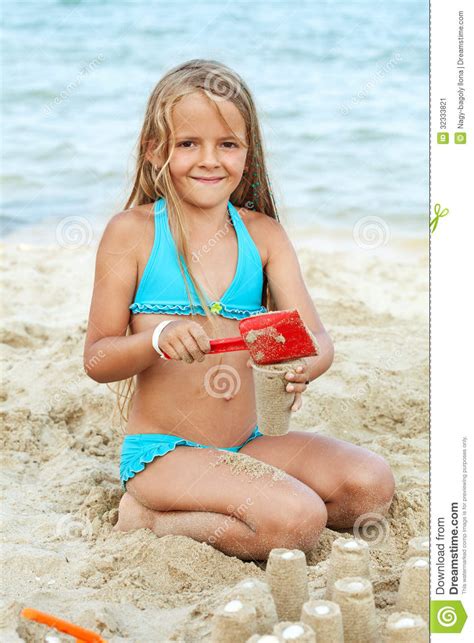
[(295, 523), (382, 482), (369, 488)]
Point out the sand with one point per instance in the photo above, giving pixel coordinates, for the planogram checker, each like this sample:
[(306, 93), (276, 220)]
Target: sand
[(242, 463), (61, 445)]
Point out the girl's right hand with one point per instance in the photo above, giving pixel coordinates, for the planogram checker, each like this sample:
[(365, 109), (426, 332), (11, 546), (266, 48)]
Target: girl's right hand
[(184, 340)]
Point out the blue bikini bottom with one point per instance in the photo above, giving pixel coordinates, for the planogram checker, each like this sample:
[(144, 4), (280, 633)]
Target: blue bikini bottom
[(139, 449)]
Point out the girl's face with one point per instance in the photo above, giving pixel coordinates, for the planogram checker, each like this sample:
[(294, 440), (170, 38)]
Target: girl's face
[(208, 159)]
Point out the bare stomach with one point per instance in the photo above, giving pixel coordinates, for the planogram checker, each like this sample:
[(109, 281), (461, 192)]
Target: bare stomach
[(210, 402)]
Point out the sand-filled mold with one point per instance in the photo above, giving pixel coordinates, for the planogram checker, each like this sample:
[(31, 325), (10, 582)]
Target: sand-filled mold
[(272, 399), (325, 619)]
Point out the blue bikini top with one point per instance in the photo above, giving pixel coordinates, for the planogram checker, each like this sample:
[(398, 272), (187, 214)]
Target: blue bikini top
[(162, 289)]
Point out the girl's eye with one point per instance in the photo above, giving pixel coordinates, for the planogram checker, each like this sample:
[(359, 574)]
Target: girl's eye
[(186, 144)]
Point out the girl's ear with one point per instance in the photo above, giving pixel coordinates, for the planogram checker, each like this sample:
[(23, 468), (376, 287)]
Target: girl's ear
[(153, 158)]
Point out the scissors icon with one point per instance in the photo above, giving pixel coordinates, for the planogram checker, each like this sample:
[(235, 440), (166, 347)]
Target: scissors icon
[(438, 214)]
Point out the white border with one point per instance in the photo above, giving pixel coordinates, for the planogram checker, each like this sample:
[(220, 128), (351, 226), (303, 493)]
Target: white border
[(452, 293)]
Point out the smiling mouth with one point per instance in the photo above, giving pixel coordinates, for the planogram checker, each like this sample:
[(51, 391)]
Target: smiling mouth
[(210, 180)]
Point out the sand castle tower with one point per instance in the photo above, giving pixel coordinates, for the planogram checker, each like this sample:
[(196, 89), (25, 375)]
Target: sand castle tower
[(413, 592), (234, 622), (294, 631), (257, 593), (349, 557), (418, 547), (403, 626), (325, 619), (355, 597), (287, 577)]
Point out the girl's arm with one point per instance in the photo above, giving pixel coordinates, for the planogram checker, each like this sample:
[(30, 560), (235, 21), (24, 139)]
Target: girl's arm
[(109, 355), (289, 291)]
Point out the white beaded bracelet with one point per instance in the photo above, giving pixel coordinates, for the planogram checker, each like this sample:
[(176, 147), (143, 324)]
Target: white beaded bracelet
[(156, 336)]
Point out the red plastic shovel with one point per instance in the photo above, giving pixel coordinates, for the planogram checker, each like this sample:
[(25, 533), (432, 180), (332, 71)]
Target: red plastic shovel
[(270, 338)]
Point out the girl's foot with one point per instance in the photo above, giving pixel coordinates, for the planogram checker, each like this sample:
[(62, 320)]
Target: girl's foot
[(133, 515)]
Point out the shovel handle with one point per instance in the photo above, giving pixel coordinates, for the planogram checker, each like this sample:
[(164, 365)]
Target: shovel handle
[(227, 345)]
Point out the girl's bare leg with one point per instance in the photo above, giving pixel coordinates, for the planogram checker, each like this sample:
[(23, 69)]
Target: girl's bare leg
[(204, 526), (351, 480), (193, 492)]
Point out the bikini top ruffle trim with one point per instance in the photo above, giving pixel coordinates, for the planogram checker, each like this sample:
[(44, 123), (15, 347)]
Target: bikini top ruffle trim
[(185, 309)]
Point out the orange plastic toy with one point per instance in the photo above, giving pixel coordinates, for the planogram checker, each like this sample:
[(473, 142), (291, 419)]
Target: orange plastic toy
[(82, 635)]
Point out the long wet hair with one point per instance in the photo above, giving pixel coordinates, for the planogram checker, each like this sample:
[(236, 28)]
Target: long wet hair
[(217, 82)]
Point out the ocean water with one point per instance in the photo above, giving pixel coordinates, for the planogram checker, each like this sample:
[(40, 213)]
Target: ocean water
[(341, 88)]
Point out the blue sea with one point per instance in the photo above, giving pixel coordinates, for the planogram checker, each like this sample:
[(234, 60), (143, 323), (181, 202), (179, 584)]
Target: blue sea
[(341, 88)]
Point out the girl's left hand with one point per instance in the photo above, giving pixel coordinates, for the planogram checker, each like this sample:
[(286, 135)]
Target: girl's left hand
[(298, 381)]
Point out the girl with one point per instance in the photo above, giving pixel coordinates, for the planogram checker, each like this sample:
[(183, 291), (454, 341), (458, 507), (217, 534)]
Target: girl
[(199, 246)]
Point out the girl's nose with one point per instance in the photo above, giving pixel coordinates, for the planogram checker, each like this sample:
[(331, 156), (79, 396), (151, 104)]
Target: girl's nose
[(209, 156)]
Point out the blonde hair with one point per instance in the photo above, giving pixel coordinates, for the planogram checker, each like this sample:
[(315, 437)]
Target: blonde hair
[(217, 82)]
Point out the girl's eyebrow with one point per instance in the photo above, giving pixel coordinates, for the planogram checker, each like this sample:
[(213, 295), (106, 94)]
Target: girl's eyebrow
[(198, 138)]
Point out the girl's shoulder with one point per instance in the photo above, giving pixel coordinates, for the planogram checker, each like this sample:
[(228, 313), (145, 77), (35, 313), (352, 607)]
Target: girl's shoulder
[(264, 230), (127, 228), (258, 221), (134, 217), (261, 225)]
